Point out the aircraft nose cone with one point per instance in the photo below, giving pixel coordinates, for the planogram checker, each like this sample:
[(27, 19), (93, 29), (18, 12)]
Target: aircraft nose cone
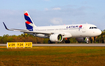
[(97, 32), (100, 32)]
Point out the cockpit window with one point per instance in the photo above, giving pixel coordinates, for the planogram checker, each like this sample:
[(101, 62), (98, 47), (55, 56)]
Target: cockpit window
[(93, 28)]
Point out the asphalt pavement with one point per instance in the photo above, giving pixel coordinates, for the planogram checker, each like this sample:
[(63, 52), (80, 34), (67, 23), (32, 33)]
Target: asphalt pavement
[(98, 45)]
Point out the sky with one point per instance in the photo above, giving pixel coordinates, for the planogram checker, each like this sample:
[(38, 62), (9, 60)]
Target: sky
[(51, 12)]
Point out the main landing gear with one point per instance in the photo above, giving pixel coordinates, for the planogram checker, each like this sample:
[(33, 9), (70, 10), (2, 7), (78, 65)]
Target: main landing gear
[(67, 40), (50, 42)]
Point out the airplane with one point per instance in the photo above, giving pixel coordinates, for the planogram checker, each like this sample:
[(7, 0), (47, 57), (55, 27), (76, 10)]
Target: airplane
[(57, 33)]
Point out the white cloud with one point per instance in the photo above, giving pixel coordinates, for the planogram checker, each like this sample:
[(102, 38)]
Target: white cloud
[(46, 9), (56, 8), (56, 21)]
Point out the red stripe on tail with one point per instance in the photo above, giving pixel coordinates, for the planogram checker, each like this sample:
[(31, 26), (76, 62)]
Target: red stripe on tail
[(28, 22), (26, 14)]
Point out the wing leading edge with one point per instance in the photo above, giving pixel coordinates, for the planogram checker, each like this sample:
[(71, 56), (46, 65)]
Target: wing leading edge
[(25, 30)]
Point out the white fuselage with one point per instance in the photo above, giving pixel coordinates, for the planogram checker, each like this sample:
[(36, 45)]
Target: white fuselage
[(73, 30)]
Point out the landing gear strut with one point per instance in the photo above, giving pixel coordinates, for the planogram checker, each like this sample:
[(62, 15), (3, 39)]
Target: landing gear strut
[(67, 40), (87, 40)]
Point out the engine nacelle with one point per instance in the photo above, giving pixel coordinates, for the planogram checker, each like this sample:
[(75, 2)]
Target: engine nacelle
[(56, 38)]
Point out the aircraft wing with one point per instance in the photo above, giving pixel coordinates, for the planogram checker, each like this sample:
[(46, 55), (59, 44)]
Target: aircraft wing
[(21, 30), (26, 31), (37, 32), (64, 34)]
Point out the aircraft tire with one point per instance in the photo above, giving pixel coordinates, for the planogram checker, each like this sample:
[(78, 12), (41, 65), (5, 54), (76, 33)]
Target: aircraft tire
[(67, 41), (49, 42)]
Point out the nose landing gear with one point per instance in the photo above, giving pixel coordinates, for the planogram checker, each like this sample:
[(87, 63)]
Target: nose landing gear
[(87, 40)]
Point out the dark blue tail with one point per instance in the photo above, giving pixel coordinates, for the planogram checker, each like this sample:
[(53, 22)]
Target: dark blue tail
[(29, 23)]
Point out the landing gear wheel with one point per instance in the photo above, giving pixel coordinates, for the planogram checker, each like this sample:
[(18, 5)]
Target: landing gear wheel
[(50, 42), (67, 41)]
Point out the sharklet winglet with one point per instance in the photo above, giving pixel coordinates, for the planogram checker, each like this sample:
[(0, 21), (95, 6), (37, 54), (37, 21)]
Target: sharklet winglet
[(5, 26)]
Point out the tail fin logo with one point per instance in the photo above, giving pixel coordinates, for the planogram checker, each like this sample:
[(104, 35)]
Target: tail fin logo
[(29, 23)]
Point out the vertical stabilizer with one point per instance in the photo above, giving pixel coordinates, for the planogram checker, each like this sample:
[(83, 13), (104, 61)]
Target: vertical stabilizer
[(28, 21)]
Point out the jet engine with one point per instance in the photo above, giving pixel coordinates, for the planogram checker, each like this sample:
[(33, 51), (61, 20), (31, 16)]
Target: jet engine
[(56, 38)]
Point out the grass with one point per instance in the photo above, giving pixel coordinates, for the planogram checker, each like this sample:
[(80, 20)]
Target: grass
[(53, 56)]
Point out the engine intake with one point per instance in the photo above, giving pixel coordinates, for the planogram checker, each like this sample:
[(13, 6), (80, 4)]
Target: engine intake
[(56, 38)]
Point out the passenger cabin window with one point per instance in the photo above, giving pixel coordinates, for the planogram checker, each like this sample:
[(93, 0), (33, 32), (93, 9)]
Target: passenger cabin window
[(93, 28)]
